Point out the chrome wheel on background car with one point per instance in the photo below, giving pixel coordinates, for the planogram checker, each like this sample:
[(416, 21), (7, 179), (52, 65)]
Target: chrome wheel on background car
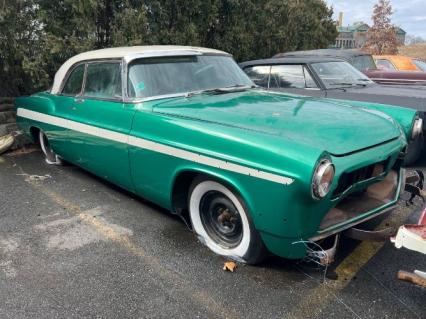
[(51, 157), (220, 219)]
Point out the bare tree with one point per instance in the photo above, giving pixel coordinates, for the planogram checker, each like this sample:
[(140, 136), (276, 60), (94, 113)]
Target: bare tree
[(413, 39), (381, 37)]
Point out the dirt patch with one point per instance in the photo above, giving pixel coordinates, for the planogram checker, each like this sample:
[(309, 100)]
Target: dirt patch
[(24, 150), (35, 178), (73, 233), (7, 247)]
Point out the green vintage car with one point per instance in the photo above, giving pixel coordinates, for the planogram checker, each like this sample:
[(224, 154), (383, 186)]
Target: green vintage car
[(255, 171)]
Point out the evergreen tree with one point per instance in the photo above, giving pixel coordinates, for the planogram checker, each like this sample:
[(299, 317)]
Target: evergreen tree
[(295, 25), (37, 36), (20, 31)]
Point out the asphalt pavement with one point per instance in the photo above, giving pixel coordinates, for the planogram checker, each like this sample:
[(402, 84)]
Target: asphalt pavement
[(75, 246)]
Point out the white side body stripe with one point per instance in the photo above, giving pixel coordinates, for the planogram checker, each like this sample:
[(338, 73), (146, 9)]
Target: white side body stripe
[(152, 146)]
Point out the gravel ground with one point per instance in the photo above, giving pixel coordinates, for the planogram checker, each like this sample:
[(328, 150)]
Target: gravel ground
[(74, 246)]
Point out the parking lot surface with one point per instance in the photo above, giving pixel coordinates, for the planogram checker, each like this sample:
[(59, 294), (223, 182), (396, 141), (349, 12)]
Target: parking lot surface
[(74, 246)]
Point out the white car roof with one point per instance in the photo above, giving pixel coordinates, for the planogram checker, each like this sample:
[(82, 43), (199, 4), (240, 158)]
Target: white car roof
[(127, 53)]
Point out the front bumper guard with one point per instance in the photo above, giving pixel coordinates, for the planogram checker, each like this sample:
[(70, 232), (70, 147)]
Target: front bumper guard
[(413, 184)]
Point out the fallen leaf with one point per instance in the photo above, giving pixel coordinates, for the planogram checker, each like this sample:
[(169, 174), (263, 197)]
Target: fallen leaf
[(229, 266)]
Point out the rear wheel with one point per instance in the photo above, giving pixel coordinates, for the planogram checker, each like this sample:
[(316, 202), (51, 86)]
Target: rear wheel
[(51, 157), (220, 219)]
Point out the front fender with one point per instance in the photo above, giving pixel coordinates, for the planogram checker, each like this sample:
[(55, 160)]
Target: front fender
[(401, 115)]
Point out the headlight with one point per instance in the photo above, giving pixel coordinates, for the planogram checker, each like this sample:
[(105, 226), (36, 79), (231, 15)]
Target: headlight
[(417, 128), (322, 179)]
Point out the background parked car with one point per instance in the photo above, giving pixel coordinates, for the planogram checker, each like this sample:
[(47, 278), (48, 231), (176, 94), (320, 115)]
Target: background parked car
[(335, 78), (395, 62), (399, 62), (421, 64), (365, 63)]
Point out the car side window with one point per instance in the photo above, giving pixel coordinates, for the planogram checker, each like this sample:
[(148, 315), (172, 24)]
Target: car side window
[(259, 74), (421, 65), (103, 80), (74, 82), (309, 81), (291, 76), (385, 64)]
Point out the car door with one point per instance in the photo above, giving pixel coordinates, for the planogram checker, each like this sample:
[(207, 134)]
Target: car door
[(294, 78), (107, 122), (65, 142)]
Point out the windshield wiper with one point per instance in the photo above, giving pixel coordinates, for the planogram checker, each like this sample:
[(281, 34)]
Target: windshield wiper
[(341, 83), (223, 90)]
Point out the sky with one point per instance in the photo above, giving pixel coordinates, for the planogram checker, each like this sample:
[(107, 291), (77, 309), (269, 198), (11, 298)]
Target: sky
[(410, 15)]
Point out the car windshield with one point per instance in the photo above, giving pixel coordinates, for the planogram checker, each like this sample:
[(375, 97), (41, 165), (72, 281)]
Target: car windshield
[(149, 77), (421, 65), (363, 62), (339, 74)]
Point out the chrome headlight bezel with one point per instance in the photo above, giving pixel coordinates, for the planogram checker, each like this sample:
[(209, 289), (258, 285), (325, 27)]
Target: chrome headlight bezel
[(417, 128), (323, 167)]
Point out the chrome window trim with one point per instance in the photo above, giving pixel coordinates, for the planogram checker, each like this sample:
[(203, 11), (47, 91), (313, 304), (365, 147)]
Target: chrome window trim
[(86, 63), (124, 63), (66, 77), (116, 61), (130, 58)]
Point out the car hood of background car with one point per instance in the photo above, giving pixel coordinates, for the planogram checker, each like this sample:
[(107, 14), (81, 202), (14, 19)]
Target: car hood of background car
[(337, 128), (391, 90), (406, 96)]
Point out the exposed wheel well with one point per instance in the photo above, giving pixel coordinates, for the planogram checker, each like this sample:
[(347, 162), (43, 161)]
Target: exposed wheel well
[(182, 184), (423, 117), (180, 190), (34, 131)]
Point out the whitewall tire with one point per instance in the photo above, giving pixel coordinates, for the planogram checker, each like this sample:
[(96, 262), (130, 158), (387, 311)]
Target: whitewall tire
[(221, 220), (50, 156)]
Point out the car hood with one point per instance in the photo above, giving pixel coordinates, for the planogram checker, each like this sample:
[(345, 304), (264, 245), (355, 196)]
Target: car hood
[(390, 90), (335, 127)]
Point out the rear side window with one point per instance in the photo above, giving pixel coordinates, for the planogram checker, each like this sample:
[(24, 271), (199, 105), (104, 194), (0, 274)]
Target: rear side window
[(363, 62), (259, 74), (74, 81), (291, 76), (421, 65), (103, 80), (385, 64)]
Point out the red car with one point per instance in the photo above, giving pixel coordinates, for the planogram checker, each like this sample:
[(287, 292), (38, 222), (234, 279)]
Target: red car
[(365, 63), (396, 77)]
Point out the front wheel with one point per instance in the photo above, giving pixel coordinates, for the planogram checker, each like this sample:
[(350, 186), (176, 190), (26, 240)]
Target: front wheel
[(220, 219), (414, 150), (51, 157)]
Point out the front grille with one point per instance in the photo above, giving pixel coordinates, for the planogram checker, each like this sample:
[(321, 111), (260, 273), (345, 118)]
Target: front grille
[(346, 180)]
